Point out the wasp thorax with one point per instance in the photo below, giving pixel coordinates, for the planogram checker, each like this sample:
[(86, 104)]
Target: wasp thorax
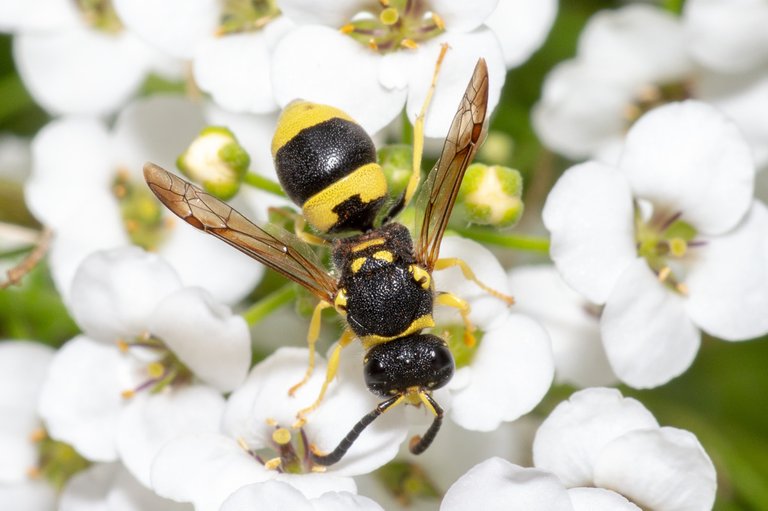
[(423, 361)]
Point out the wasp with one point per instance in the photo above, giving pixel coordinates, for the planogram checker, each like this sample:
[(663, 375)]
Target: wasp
[(383, 284)]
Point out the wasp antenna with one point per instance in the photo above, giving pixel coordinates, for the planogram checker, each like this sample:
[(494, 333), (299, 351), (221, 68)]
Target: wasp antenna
[(420, 444), (346, 442)]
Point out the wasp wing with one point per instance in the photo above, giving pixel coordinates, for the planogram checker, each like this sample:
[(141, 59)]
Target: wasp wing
[(277, 249), (438, 195)]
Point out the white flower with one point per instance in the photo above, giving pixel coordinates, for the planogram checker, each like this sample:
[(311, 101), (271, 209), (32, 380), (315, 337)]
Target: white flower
[(670, 241), (230, 63), (110, 487), (635, 58), (153, 365), (207, 468), (23, 366), (600, 438), (598, 450), (572, 322), (277, 496), (73, 63), (86, 185), (512, 368), (371, 77)]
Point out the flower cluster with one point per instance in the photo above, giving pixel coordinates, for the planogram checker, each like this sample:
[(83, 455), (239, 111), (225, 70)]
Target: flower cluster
[(162, 369)]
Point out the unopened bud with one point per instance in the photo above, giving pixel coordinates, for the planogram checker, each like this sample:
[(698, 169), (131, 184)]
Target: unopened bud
[(215, 160), (491, 195)]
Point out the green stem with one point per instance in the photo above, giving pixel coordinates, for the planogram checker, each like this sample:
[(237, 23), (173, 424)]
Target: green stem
[(269, 304), (516, 241), (263, 183), (673, 6)]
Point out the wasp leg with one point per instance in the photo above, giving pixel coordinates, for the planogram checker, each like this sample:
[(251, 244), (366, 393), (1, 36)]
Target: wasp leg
[(346, 442), (299, 226), (462, 306), (419, 444), (442, 264), (418, 133), (312, 336), (333, 365)]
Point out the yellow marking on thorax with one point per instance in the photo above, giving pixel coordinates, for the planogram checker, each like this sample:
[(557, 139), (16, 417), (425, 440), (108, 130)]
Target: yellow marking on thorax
[(340, 302), (421, 276), (369, 243), (358, 263), (299, 115), (367, 181), (384, 255), (416, 325)]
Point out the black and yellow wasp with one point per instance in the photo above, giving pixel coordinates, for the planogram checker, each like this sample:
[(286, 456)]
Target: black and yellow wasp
[(382, 284)]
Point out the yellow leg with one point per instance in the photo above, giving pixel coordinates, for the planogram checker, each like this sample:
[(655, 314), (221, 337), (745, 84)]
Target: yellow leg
[(418, 132), (462, 306), (442, 264), (312, 336), (333, 366)]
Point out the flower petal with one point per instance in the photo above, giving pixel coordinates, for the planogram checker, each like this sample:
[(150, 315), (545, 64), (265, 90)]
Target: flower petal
[(511, 371), (28, 496), (590, 215), (663, 468), (728, 284), (115, 292), (320, 64), (234, 69), (37, 15), (204, 469), (687, 157), (174, 26), (127, 494), (23, 366), (81, 399), (87, 490), (149, 421), (728, 36), (495, 483), (648, 336), (205, 336), (599, 499), (460, 16), (71, 164), (267, 496), (581, 111), (570, 440), (639, 44), (521, 26), (571, 321), (79, 70), (157, 129), (333, 13), (341, 501)]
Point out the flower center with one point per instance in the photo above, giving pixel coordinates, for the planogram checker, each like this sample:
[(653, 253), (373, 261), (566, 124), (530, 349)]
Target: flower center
[(407, 482), (462, 353), (57, 462), (288, 451), (100, 15), (394, 25), (652, 95), (141, 213), (246, 15), (162, 368), (664, 242)]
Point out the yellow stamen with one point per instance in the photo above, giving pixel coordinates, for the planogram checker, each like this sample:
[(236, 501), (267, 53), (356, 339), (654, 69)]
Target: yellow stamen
[(281, 436), (409, 43), (372, 44), (347, 29), (438, 21), (127, 394), (273, 464), (682, 288), (123, 346), (664, 273), (243, 444), (38, 435)]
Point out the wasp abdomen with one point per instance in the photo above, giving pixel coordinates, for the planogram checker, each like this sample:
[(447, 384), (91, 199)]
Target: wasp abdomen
[(326, 164)]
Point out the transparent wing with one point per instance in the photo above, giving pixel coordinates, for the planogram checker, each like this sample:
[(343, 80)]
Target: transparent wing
[(277, 249), (438, 194)]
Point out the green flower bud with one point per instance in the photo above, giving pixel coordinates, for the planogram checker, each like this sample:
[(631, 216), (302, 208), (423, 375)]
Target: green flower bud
[(217, 161), (491, 195)]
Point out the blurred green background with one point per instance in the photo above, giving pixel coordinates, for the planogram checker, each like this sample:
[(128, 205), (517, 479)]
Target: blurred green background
[(719, 398)]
